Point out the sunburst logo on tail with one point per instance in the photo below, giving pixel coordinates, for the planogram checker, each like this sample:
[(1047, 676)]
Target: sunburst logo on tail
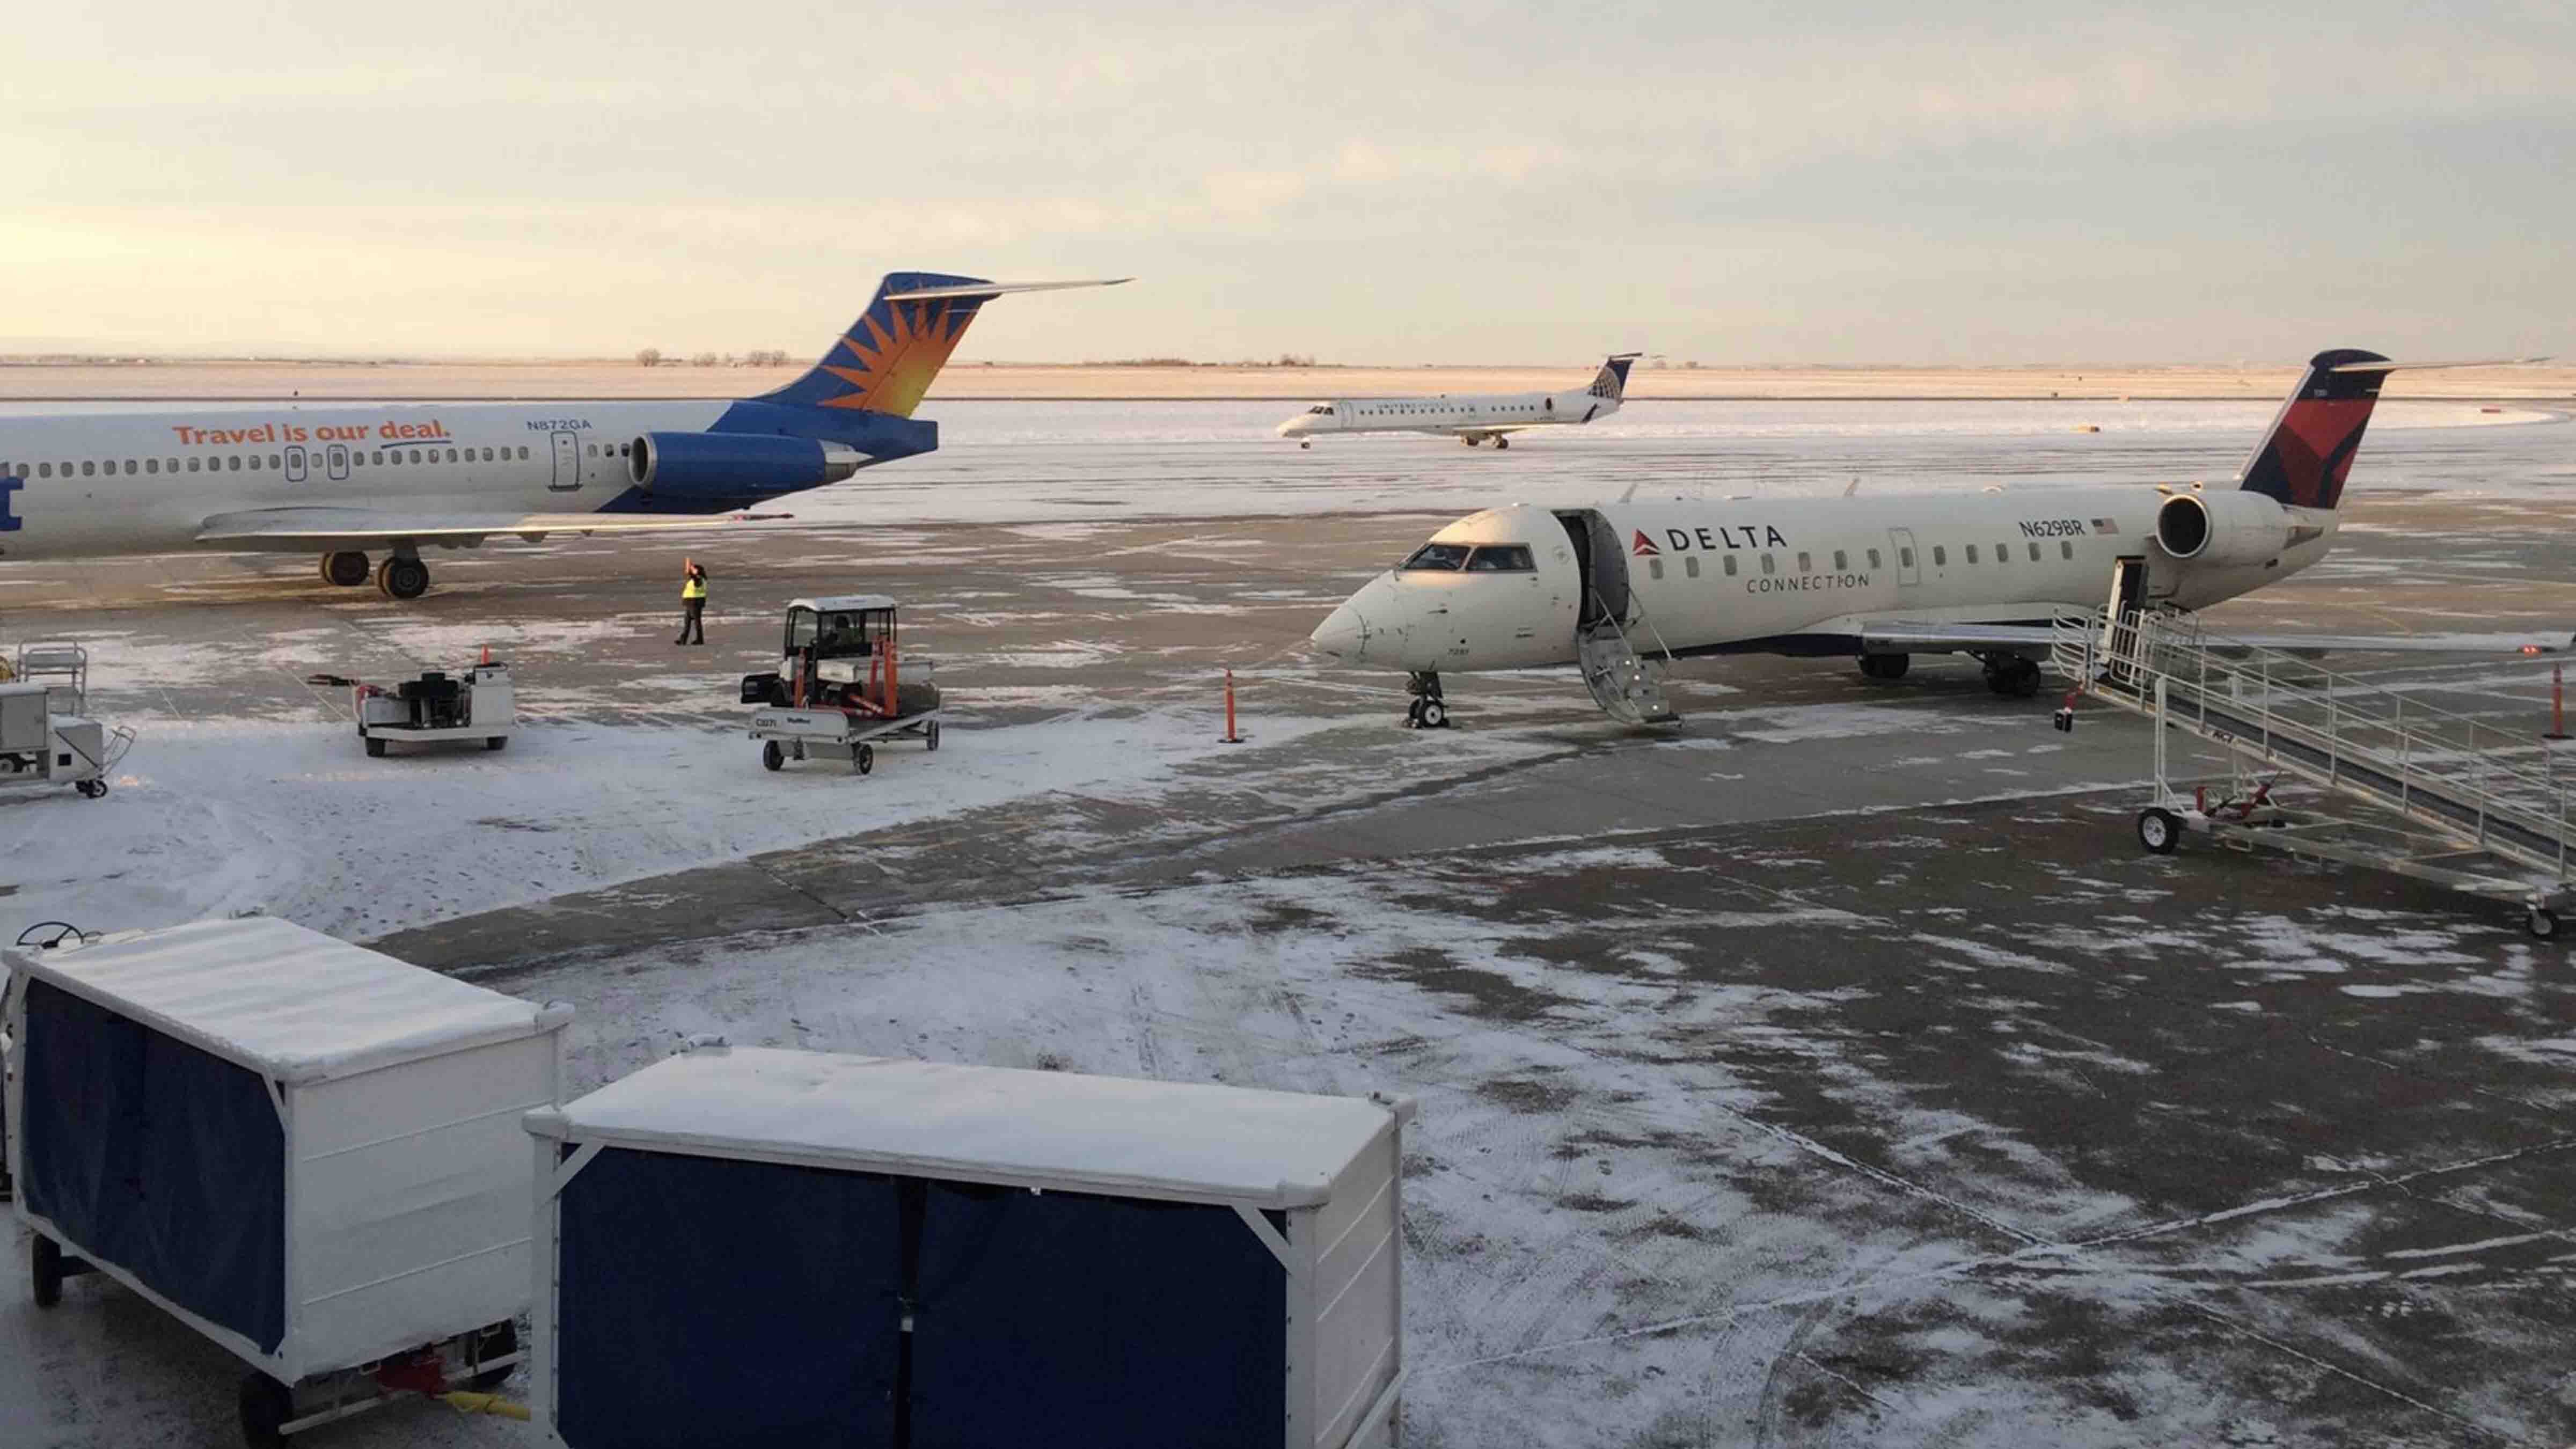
[(894, 352)]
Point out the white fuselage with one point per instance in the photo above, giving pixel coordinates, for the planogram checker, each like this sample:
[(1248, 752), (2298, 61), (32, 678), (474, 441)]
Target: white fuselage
[(1793, 577), (1449, 416), (90, 484)]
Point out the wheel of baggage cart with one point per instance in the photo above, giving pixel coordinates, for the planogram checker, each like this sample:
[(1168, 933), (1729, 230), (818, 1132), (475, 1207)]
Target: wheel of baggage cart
[(864, 758), (91, 789), (266, 1407), (2542, 923), (45, 1270), (375, 747), (2159, 829), (930, 733), (771, 756), (494, 742), (502, 1342)]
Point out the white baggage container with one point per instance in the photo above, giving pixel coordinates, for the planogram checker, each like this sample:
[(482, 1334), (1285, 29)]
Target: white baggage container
[(763, 1246), (307, 1151)]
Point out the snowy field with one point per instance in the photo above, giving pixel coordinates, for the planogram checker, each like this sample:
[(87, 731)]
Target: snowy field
[(1834, 1071)]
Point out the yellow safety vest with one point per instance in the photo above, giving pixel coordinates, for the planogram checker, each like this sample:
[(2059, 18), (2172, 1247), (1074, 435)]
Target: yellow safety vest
[(693, 587)]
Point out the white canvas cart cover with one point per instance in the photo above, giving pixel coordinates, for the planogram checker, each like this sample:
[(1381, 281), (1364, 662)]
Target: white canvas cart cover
[(1170, 1140), (287, 1002), (843, 603), (307, 1150)]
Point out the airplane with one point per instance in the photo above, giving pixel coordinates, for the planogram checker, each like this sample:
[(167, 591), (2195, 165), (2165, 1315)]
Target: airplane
[(343, 480), (1878, 579), (1471, 420)]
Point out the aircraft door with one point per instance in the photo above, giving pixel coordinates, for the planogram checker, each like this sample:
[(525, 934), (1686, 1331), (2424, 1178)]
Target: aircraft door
[(295, 465), (567, 463), (2120, 624), (337, 462), (1909, 569), (1605, 571)]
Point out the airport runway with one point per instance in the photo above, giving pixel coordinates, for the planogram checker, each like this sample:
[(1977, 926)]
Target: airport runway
[(1835, 1067)]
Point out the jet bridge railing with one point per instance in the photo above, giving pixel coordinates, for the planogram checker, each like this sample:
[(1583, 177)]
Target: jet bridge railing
[(2498, 791)]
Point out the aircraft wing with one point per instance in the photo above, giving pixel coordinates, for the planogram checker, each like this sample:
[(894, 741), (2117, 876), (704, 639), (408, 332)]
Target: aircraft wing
[(297, 530), (1896, 638)]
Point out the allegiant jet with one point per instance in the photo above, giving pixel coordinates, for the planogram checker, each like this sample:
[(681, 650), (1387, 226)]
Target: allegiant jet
[(344, 481)]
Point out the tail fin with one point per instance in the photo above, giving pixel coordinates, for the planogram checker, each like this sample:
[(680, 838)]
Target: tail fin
[(1612, 380), (885, 362), (2303, 460)]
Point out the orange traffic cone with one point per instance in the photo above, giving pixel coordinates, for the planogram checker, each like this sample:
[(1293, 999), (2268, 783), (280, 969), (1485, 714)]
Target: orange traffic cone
[(487, 656)]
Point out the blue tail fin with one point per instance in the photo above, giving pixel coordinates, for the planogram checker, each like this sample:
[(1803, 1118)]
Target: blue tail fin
[(1612, 380), (885, 362)]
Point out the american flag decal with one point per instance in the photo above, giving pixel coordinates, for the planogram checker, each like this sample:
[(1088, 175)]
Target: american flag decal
[(2106, 525)]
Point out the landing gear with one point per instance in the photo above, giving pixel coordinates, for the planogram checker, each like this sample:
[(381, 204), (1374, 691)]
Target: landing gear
[(402, 576), (2542, 923), (1427, 710), (346, 568), (1885, 666), (1502, 442), (1470, 439), (2012, 676), (1305, 445)]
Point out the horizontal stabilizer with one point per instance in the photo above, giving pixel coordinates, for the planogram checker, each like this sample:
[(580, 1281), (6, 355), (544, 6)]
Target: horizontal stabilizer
[(995, 289), (301, 529), (2384, 365)]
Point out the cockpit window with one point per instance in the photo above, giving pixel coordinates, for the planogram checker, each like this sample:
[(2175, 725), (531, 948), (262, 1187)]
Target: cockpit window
[(1324, 409), (1444, 556), (1508, 558)]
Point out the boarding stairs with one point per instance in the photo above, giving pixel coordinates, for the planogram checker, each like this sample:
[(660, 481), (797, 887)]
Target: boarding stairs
[(2455, 799), (1620, 681)]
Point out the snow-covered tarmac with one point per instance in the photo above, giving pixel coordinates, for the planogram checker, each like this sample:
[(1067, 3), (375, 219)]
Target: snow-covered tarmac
[(1837, 1069)]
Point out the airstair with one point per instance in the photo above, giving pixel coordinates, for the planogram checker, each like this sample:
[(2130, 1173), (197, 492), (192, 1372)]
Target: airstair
[(1618, 679), (2444, 797)]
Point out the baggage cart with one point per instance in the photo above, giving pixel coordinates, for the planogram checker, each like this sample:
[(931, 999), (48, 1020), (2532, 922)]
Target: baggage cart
[(841, 686)]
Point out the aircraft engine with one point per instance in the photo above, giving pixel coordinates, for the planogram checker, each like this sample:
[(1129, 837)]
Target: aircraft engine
[(719, 466), (2223, 528)]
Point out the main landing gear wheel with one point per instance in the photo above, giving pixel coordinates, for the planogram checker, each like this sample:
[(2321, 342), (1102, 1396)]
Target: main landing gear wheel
[(771, 756), (864, 758), (1502, 442), (2542, 923), (930, 734), (346, 568), (2159, 829), (402, 578), (2013, 677), (267, 1406), (1885, 666)]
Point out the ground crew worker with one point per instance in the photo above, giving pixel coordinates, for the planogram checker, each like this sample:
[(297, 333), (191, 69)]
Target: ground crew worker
[(693, 603)]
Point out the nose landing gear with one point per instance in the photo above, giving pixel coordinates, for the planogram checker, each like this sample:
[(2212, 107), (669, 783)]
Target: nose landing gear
[(1426, 711)]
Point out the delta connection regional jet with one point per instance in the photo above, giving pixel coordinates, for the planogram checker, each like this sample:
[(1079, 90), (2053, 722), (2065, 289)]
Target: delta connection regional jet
[(340, 481), (1878, 579), (1471, 420)]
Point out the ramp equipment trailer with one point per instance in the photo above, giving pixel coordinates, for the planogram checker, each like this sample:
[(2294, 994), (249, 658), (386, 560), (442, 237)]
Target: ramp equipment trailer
[(305, 1151), (841, 685), (46, 735), (2444, 797)]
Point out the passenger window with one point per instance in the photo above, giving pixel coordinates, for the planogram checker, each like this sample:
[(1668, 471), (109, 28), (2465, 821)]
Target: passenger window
[(1905, 556), (174, 465), (232, 464), (2034, 553), (2065, 550), (1730, 566), (195, 464), (1940, 556), (1654, 568), (1805, 567), (1770, 565), (44, 470), (380, 458), (1873, 558), (89, 470), (1690, 564), (276, 462), (254, 462), (151, 465), (1842, 561), (451, 455), (2003, 553), (415, 455), (523, 453), (1445, 557), (131, 468), (592, 449), (1972, 553)]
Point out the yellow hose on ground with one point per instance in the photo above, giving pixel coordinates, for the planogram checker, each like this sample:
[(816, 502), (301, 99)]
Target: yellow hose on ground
[(466, 1403)]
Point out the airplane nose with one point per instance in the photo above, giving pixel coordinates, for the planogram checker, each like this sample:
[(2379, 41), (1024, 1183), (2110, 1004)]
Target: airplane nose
[(1287, 429), (1344, 634)]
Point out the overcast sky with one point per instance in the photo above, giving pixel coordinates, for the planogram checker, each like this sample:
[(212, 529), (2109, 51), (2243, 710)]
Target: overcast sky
[(1953, 182)]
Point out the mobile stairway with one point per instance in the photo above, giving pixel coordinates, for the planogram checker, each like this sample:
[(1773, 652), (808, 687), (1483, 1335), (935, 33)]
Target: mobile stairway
[(1620, 682), (2448, 798)]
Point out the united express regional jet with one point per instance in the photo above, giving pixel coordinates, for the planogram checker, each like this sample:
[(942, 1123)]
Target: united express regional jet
[(1471, 420), (341, 481), (1878, 579)]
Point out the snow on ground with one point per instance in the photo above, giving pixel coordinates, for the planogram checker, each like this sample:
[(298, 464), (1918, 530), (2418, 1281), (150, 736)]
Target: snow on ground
[(218, 818)]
